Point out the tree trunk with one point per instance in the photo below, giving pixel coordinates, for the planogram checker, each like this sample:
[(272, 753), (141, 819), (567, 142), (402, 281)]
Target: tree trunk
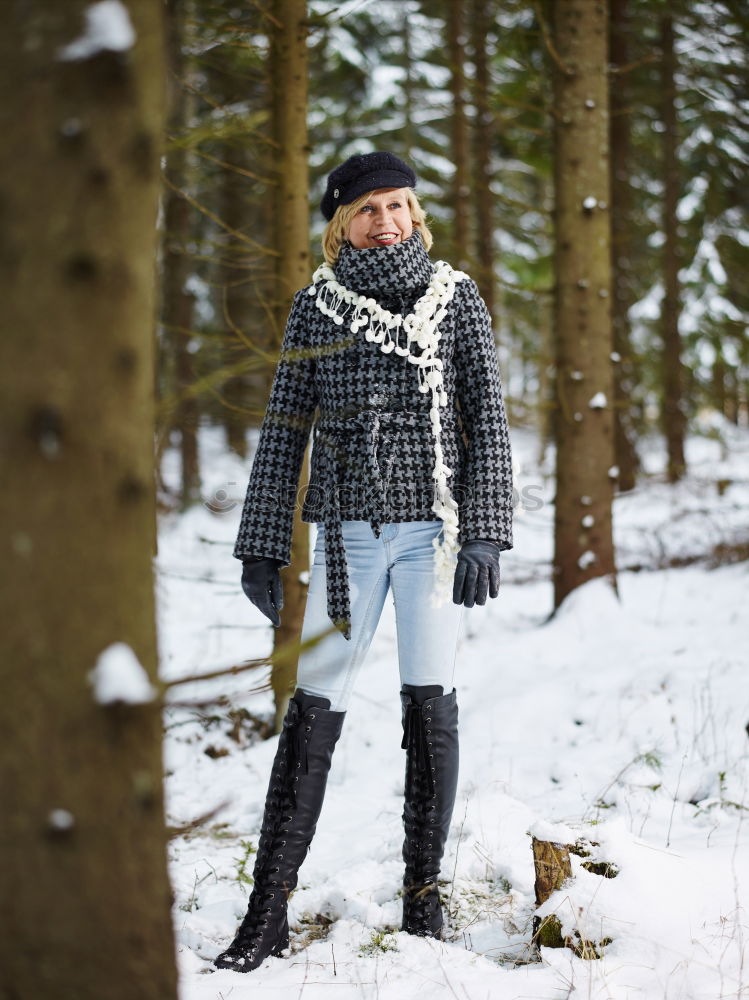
[(584, 421), (623, 296), (481, 22), (461, 183), (84, 893), (177, 301), (553, 867), (241, 393), (291, 240), (673, 417)]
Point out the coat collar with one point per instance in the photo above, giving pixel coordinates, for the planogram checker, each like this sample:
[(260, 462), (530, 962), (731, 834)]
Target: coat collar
[(386, 269)]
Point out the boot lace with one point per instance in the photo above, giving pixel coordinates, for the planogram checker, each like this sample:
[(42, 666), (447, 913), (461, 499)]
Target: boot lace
[(279, 808), (421, 889), (415, 741)]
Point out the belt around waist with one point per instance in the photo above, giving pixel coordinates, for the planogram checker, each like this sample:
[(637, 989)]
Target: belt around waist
[(349, 418)]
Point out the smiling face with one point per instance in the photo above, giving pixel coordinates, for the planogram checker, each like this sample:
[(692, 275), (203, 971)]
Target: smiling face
[(385, 219)]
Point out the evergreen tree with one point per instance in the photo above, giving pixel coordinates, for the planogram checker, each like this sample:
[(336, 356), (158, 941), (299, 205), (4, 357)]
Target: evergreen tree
[(583, 544)]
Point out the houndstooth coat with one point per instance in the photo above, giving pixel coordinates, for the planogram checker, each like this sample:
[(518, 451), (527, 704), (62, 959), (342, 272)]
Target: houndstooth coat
[(377, 433)]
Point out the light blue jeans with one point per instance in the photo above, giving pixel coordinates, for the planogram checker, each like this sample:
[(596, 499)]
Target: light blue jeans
[(401, 558)]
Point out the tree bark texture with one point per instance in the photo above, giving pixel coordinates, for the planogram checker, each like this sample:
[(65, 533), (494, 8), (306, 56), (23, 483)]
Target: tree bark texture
[(673, 417), (552, 866), (291, 241), (623, 295), (84, 893), (584, 384), (289, 82)]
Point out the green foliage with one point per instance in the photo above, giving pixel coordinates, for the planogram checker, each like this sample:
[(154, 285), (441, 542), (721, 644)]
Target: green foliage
[(712, 82), (651, 758), (243, 875), (379, 77), (380, 941)]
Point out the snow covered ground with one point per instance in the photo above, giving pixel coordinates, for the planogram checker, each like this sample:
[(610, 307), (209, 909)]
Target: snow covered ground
[(621, 721)]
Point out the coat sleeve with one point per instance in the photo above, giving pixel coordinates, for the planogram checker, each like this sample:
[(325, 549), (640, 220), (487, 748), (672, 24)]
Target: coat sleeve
[(268, 514), (485, 494)]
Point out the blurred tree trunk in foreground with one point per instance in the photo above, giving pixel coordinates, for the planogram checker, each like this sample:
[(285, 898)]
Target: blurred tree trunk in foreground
[(584, 420), (84, 894)]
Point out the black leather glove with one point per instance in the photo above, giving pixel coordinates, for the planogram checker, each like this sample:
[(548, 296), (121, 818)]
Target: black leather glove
[(261, 581), (477, 572)]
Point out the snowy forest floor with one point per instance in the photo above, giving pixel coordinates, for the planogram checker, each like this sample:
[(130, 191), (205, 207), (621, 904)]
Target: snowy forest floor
[(624, 720)]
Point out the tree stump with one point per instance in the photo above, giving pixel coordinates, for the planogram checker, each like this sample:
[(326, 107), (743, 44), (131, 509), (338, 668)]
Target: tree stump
[(553, 867)]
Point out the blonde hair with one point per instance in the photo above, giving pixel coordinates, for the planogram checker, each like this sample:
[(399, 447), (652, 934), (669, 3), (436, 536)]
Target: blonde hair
[(336, 231)]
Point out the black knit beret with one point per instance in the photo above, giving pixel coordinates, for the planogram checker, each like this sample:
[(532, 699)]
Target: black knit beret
[(362, 173)]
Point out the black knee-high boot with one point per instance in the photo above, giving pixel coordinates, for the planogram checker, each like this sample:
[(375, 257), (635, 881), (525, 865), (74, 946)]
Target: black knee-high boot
[(292, 809), (430, 738)]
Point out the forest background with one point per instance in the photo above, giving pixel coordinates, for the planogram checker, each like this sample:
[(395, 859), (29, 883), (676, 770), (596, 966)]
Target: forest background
[(265, 101), (584, 161)]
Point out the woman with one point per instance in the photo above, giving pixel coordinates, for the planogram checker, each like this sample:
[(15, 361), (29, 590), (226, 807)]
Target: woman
[(410, 487)]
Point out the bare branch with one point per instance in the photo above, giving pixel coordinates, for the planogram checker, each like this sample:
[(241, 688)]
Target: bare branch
[(212, 215), (549, 43), (290, 649), (180, 831)]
